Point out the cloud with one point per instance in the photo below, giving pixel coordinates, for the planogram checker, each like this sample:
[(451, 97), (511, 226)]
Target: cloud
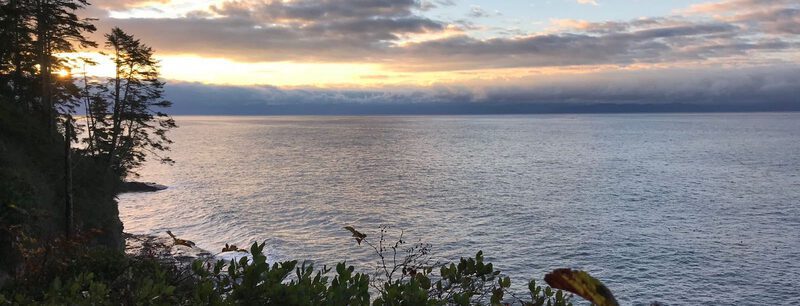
[(315, 11), (772, 21), (754, 88), (277, 30), (737, 5), (478, 12), (125, 4), (570, 24), (384, 32), (664, 43), (744, 52), (102, 8), (769, 17), (591, 2), (754, 85)]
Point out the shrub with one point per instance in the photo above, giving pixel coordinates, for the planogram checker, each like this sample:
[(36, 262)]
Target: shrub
[(107, 277)]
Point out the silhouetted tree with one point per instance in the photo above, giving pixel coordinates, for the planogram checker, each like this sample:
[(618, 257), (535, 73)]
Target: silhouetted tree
[(123, 121), (89, 101), (127, 124), (58, 29), (17, 58)]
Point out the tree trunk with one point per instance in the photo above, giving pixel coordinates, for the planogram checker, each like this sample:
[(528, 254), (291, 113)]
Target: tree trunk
[(17, 54), (115, 119), (42, 34), (89, 115), (68, 205)]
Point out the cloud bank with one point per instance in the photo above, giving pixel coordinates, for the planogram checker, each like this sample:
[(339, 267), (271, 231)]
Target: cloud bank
[(753, 89), (740, 54)]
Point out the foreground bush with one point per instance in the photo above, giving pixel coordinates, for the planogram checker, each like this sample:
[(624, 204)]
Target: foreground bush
[(110, 278)]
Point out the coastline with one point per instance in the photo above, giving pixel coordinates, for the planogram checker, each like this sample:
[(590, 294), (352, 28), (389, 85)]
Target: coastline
[(165, 251), (133, 186), (162, 249)]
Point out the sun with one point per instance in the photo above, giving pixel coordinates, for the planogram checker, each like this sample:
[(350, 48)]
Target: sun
[(63, 73)]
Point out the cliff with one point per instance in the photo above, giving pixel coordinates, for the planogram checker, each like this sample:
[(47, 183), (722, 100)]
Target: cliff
[(32, 191)]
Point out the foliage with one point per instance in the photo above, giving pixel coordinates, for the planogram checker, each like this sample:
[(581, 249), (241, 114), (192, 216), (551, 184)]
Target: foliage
[(253, 281), (33, 33), (38, 96), (105, 277), (100, 277), (471, 281), (125, 121), (17, 55)]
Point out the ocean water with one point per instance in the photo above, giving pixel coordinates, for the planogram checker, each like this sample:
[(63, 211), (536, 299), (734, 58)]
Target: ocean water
[(679, 208)]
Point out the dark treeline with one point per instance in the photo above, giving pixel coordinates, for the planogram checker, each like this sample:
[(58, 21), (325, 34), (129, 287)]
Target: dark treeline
[(122, 122), (67, 139)]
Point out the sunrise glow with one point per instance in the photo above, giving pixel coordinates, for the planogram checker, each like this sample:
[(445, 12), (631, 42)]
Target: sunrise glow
[(441, 48)]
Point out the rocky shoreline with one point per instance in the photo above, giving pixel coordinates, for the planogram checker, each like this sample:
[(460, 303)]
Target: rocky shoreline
[(141, 187), (163, 249), (166, 251)]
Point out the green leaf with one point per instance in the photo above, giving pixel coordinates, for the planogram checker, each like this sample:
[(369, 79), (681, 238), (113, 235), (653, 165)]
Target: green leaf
[(505, 282)]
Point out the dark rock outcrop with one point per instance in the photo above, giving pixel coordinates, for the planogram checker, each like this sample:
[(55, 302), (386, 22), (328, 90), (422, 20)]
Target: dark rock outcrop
[(140, 187)]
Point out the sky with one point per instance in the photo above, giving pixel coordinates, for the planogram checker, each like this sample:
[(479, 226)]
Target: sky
[(262, 56)]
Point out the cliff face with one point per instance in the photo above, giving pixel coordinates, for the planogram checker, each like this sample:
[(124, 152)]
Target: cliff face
[(32, 209)]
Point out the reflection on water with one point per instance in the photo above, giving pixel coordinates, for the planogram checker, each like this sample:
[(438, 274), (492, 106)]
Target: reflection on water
[(675, 208)]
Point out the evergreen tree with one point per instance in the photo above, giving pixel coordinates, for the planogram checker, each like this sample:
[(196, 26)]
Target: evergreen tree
[(17, 58), (57, 30), (123, 118), (128, 123)]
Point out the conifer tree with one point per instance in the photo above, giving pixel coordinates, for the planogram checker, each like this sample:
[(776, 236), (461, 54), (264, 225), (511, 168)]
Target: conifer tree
[(57, 30), (128, 121), (17, 62)]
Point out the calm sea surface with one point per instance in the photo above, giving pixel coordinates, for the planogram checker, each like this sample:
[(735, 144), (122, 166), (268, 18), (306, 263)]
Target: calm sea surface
[(678, 208)]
